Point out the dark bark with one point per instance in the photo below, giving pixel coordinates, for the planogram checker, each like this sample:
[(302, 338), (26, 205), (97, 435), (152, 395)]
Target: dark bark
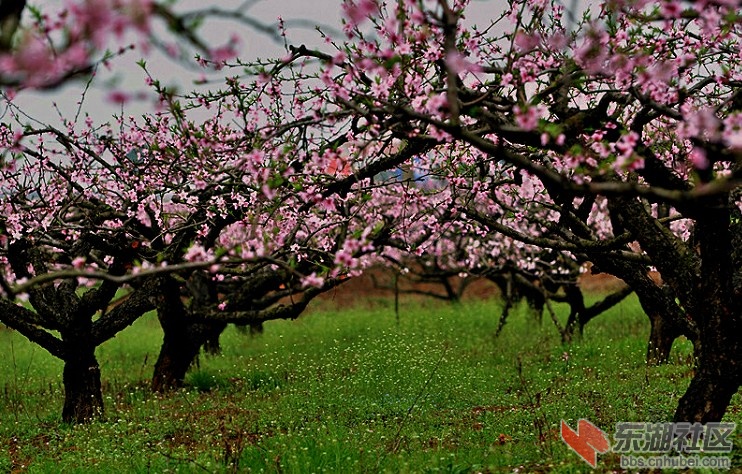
[(699, 300), (112, 321), (80, 336), (576, 300), (706, 399), (667, 319), (253, 330), (506, 288), (83, 398), (603, 305), (580, 314), (516, 286), (180, 347), (183, 336), (211, 344), (719, 357), (26, 322), (188, 328), (662, 335), (59, 306), (719, 371), (677, 262)]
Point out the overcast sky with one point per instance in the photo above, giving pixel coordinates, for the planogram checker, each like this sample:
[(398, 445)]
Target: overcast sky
[(300, 15), (128, 76)]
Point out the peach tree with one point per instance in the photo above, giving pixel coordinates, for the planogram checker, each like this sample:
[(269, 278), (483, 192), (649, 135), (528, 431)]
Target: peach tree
[(612, 136)]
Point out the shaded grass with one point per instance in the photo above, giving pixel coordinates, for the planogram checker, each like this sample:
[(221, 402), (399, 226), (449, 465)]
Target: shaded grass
[(350, 391)]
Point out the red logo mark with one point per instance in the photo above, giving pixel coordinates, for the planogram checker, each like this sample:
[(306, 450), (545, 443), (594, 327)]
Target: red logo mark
[(587, 441)]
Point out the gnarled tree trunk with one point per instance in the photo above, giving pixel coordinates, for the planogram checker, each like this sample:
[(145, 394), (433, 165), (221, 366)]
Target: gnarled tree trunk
[(176, 356), (719, 371), (666, 318), (181, 344), (662, 336), (183, 337), (83, 398), (715, 306)]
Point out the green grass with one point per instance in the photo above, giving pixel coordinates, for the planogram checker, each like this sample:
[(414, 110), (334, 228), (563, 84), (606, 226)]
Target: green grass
[(350, 391)]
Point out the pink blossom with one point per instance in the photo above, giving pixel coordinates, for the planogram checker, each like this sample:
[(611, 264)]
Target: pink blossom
[(15, 144), (268, 192), (526, 42), (527, 189), (438, 134), (458, 63), (94, 17), (436, 103), (527, 118), (357, 13), (417, 16), (625, 145), (506, 79), (698, 158), (197, 253), (710, 19), (340, 57), (592, 54), (344, 257), (732, 134), (118, 97), (34, 60), (733, 139), (626, 159), (671, 9), (76, 56), (312, 281), (701, 123), (226, 52), (558, 41)]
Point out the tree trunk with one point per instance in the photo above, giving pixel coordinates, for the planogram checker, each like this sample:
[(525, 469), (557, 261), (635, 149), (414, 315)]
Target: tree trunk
[(666, 317), (506, 288), (181, 344), (662, 335), (715, 307), (719, 367), (716, 380), (575, 299), (176, 356), (707, 396), (178, 350), (83, 399)]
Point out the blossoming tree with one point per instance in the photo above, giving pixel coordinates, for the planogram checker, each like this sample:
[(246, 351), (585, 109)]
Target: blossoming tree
[(209, 219), (614, 137), (102, 223)]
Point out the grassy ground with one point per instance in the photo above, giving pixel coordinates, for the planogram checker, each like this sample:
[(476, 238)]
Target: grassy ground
[(350, 391)]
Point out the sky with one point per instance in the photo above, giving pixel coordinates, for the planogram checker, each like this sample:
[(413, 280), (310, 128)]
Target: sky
[(299, 15), (125, 74)]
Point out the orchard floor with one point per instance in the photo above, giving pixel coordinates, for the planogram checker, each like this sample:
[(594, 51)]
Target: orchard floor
[(352, 388)]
